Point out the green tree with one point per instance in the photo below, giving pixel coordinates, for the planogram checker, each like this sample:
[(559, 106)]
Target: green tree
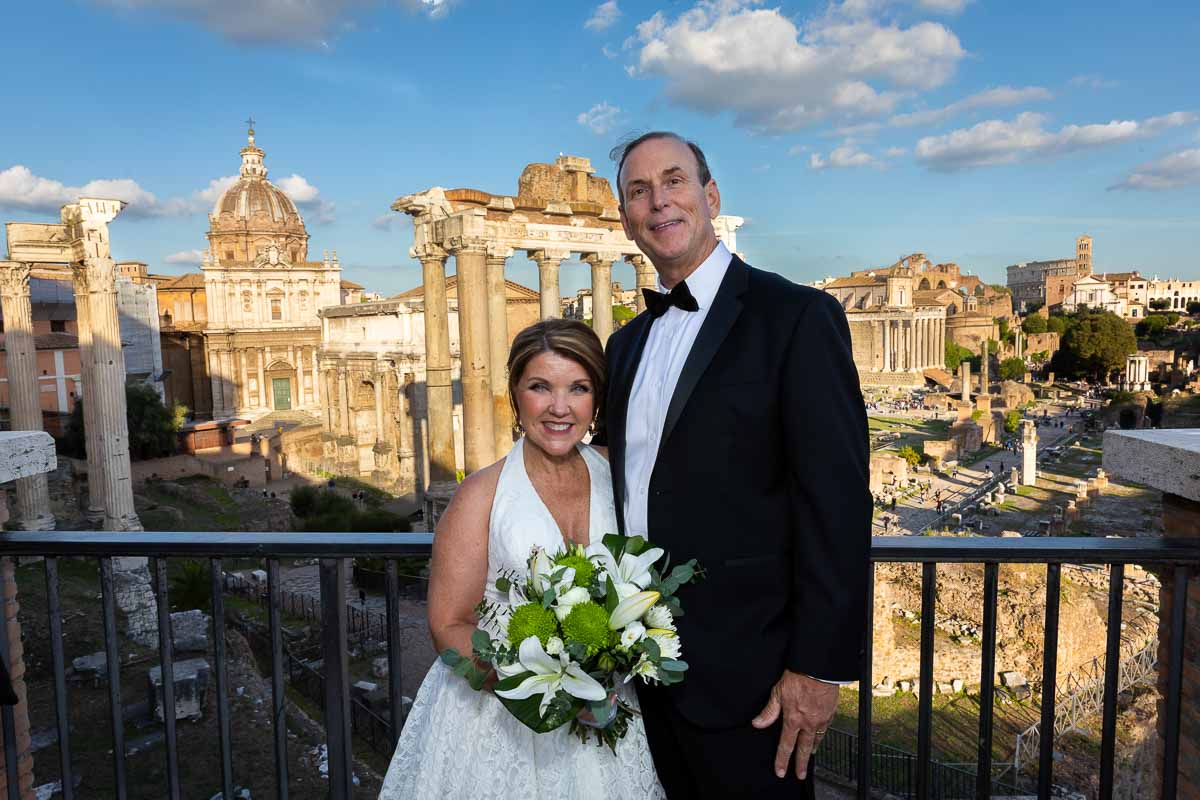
[(622, 314), (153, 428), (1034, 323), (1160, 305), (1012, 420), (1012, 369), (955, 354), (1058, 324), (1193, 307), (910, 455), (1172, 318), (1003, 325), (1094, 344), (1152, 326)]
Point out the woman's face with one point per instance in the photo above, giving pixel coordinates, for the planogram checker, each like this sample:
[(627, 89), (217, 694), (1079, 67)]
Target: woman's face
[(555, 402)]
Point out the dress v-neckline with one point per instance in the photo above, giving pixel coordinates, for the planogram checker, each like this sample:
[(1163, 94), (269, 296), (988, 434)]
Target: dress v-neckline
[(563, 540)]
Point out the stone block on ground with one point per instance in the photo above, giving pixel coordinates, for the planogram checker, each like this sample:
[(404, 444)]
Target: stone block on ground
[(93, 665), (957, 685), (189, 630), (191, 687)]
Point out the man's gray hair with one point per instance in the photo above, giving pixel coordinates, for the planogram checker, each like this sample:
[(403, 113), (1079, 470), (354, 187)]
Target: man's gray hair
[(630, 143)]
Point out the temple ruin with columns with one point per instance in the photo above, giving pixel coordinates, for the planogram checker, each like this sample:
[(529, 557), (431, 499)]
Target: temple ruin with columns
[(560, 210)]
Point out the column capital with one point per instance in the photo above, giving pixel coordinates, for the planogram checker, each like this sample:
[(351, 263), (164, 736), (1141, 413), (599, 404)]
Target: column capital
[(14, 278), (457, 245), (544, 256), (601, 257), (498, 252), (429, 251)]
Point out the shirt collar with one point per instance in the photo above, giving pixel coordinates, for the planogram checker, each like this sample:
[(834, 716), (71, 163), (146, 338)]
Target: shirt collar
[(706, 279)]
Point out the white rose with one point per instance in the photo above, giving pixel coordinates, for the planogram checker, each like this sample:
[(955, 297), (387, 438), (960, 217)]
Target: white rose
[(632, 634), (554, 646), (660, 617)]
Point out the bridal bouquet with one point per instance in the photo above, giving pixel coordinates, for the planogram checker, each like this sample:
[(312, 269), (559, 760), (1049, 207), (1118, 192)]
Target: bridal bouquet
[(578, 624)]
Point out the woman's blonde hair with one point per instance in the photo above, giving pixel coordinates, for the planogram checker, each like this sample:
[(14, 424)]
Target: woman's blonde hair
[(565, 337)]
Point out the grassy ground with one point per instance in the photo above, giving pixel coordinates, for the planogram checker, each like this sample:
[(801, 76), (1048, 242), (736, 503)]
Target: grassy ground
[(913, 432)]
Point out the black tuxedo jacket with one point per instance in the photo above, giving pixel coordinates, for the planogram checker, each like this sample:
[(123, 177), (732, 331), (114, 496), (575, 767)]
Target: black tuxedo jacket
[(762, 476)]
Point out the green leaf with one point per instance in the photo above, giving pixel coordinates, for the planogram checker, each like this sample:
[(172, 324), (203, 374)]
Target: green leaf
[(673, 666), (610, 599), (635, 545), (560, 711), (651, 648), (548, 599), (451, 657), (503, 584), (481, 641), (615, 543)]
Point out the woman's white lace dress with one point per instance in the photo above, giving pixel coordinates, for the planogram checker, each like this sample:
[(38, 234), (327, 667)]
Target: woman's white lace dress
[(461, 743)]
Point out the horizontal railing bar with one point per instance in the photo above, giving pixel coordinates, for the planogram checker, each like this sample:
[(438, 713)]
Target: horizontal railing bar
[(940, 549), (211, 545), (1033, 550)]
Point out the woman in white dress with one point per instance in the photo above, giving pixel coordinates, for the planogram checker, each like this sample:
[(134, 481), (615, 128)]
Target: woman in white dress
[(550, 491)]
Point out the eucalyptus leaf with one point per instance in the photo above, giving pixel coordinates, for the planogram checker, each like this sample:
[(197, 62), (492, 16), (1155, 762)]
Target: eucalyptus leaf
[(503, 584), (450, 657), (673, 665), (651, 648)]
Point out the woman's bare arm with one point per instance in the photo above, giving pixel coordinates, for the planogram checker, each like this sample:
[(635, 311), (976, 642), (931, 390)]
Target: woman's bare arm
[(460, 559)]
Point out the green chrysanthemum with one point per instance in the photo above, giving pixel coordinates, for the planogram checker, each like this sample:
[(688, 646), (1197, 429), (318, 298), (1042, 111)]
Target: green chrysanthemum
[(584, 569), (588, 624), (531, 620)]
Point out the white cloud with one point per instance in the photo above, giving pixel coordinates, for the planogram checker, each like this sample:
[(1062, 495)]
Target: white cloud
[(216, 187), (20, 189), (724, 55), (843, 157), (391, 222), (989, 98), (894, 152), (192, 257), (608, 52), (254, 21), (317, 210), (604, 17), (1094, 81), (1002, 142), (1169, 172), (943, 6), (600, 118)]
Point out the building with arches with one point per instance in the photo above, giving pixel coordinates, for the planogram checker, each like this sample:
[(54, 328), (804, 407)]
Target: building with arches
[(262, 334)]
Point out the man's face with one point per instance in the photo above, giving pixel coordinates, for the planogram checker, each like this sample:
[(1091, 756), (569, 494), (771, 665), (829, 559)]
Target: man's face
[(666, 211)]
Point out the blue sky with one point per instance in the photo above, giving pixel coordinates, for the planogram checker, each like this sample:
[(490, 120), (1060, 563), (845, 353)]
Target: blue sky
[(847, 134)]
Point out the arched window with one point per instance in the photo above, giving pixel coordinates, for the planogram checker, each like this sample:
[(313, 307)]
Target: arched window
[(924, 284), (941, 285)]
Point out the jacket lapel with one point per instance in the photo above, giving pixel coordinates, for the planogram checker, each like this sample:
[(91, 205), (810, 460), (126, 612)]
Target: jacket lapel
[(726, 307), (621, 386)]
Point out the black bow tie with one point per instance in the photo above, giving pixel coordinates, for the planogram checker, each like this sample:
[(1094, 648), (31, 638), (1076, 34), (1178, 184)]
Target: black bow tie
[(657, 303)]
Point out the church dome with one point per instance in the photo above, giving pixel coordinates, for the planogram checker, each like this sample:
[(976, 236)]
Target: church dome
[(254, 214)]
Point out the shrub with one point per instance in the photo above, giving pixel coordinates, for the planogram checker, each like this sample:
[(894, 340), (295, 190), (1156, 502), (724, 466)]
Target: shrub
[(955, 354), (304, 500), (1160, 305), (1012, 421), (1151, 326), (622, 313), (1193, 307), (910, 455), (153, 428), (191, 587), (1012, 369), (1034, 323)]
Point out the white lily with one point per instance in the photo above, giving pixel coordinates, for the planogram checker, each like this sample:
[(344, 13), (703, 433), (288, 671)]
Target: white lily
[(540, 569), (549, 675), (569, 599), (632, 571), (631, 608)]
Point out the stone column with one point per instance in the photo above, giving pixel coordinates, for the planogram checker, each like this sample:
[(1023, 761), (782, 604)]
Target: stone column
[(316, 378), (242, 355), (470, 256), (344, 398), (439, 398), (941, 345), (87, 223), (296, 354), (547, 262), (602, 322), (263, 403), (330, 407), (406, 450), (645, 278), (964, 377), (1029, 439), (378, 379), (887, 345), (24, 399), (497, 292), (922, 343), (983, 368), (91, 429)]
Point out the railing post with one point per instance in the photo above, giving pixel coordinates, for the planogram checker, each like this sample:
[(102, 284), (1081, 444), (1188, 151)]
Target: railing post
[(337, 678)]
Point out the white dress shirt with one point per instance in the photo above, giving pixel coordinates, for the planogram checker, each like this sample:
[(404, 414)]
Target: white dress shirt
[(667, 348)]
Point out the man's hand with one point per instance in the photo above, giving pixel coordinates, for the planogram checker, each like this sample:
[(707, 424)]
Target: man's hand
[(808, 706)]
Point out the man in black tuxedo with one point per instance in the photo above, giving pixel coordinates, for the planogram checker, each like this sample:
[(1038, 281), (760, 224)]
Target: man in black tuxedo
[(737, 436)]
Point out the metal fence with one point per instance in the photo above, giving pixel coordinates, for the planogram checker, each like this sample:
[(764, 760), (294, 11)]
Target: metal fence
[(871, 765)]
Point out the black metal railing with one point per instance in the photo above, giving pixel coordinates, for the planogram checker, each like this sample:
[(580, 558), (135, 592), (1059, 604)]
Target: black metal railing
[(1174, 559)]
